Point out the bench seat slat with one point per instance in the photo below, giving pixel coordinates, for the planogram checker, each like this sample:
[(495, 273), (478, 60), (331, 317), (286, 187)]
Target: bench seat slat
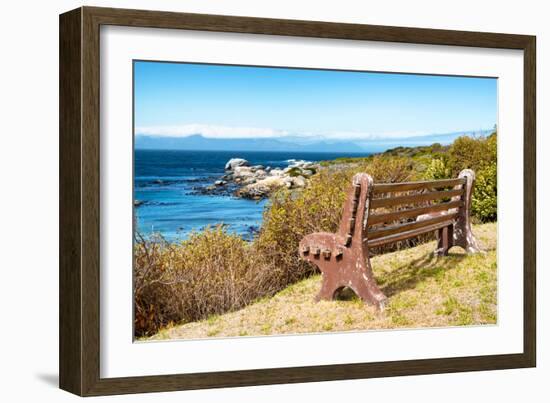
[(406, 235), (414, 198), (413, 212), (394, 229), (403, 186)]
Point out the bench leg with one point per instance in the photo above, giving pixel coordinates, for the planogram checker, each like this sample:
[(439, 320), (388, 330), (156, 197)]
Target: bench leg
[(444, 240), (329, 287), (462, 231), (463, 236), (357, 276), (364, 285)]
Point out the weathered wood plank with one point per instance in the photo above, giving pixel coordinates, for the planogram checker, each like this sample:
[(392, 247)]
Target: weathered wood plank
[(414, 198), (413, 212), (394, 229), (407, 234), (403, 186)]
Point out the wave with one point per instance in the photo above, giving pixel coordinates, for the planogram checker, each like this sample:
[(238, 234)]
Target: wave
[(287, 162), (293, 162)]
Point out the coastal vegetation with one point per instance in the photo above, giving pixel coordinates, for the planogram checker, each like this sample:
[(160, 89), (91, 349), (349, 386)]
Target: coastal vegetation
[(214, 272), (424, 291)]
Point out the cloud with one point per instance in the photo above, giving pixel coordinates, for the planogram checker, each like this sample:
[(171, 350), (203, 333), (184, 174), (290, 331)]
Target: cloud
[(232, 132)]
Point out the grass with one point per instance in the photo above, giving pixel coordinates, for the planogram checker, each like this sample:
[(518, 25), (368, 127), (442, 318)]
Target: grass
[(423, 291)]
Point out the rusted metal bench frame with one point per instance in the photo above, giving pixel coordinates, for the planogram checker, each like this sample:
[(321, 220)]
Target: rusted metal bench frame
[(343, 257)]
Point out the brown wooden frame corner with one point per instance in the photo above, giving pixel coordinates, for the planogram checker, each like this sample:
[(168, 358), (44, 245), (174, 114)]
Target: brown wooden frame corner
[(79, 200)]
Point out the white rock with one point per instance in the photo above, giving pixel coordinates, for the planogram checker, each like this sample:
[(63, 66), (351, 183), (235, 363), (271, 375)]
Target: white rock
[(271, 182), (236, 162), (276, 172), (299, 181), (261, 188), (242, 171), (260, 173)]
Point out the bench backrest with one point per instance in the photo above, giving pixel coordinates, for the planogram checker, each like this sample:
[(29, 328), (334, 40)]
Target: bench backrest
[(373, 207)]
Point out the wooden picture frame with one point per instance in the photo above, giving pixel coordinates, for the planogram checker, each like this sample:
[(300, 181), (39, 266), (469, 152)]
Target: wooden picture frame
[(79, 346)]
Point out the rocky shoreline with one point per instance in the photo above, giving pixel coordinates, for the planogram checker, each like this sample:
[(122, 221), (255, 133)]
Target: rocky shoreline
[(256, 182)]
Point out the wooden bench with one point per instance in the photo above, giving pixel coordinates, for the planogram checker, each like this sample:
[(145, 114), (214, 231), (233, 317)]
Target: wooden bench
[(369, 220)]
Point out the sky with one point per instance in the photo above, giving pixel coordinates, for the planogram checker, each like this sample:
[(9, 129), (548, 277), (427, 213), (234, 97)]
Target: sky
[(217, 101)]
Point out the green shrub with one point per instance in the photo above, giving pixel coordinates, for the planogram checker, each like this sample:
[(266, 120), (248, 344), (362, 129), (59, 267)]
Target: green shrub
[(437, 170), (295, 171), (479, 154), (473, 153), (389, 169), (484, 199)]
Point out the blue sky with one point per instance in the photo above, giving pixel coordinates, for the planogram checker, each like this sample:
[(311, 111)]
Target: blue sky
[(179, 99)]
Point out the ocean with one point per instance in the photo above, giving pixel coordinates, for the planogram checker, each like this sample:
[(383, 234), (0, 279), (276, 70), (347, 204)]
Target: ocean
[(165, 183)]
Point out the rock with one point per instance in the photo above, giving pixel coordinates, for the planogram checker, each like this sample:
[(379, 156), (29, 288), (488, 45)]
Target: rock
[(261, 188), (277, 172), (242, 172), (299, 181), (138, 203), (236, 162), (257, 182), (226, 189)]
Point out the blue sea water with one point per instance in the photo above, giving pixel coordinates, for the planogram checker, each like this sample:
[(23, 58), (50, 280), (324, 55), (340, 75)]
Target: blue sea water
[(164, 181)]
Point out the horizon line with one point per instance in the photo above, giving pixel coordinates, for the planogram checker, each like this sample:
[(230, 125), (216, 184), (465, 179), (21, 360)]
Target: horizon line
[(233, 133)]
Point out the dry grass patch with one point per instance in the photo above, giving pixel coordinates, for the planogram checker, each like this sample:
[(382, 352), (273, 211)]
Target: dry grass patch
[(423, 291)]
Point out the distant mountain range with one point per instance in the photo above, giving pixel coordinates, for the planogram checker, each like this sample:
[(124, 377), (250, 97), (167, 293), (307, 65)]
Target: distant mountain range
[(442, 138), (199, 142), (294, 143)]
